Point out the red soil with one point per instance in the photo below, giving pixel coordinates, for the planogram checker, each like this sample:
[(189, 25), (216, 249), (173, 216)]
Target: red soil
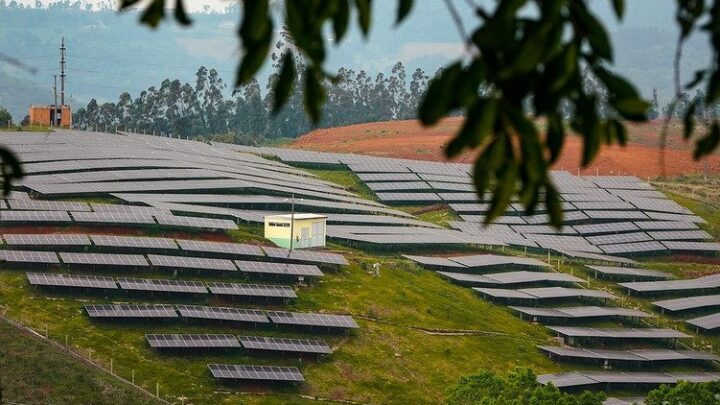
[(408, 139)]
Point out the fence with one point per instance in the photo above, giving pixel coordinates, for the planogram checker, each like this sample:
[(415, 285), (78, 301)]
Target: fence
[(88, 360)]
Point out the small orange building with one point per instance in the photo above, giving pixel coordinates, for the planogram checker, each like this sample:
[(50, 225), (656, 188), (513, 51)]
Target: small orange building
[(49, 115)]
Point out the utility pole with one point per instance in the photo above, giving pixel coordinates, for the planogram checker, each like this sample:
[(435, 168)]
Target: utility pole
[(292, 222), (55, 106), (62, 72)]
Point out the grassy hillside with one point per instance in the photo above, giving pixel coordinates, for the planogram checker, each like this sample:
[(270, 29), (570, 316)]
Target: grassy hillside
[(418, 334), (33, 371)]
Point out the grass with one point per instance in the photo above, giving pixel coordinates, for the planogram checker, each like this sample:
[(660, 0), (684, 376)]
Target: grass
[(27, 128), (33, 371), (399, 354), (346, 179)]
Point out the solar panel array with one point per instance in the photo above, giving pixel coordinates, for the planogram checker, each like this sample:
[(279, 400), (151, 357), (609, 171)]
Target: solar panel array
[(608, 210), (255, 373), (593, 378)]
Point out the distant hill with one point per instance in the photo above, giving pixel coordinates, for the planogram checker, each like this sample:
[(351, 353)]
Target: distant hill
[(110, 53), (409, 140)]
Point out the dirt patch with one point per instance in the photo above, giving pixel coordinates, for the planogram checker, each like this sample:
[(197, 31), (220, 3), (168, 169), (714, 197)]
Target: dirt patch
[(409, 140)]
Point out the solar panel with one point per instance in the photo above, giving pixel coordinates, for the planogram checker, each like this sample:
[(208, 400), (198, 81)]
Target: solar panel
[(536, 294), (708, 322), (693, 246), (223, 314), (665, 225), (131, 311), (433, 261), (46, 239), (588, 378), (305, 256), (628, 273), (174, 286), (284, 345), (597, 257), (664, 216), (489, 260), (637, 247), (510, 278), (680, 235), (198, 263), (35, 216), (688, 303), (44, 205), (194, 222), (178, 341), (28, 256), (312, 319), (256, 373), (580, 312), (641, 356), (103, 259), (252, 290), (113, 218), (64, 280), (619, 238), (220, 247), (306, 270), (700, 283), (618, 333), (610, 227), (133, 242)]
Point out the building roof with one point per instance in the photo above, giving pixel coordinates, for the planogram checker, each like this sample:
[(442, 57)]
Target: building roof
[(297, 216)]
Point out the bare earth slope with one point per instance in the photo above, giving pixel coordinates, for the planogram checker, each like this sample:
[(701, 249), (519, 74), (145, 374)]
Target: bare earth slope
[(408, 139)]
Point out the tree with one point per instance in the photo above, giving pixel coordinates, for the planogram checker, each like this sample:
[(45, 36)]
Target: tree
[(513, 57), (685, 393), (518, 387), (5, 117)]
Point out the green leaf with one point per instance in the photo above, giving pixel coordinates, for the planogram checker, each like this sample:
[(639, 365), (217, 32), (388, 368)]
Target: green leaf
[(689, 119), (593, 30), (698, 77), (713, 93), (364, 11), (553, 205), (180, 14), (555, 136), (154, 13), (404, 8), (10, 169), (341, 18), (632, 109), (314, 94), (256, 35), (479, 123), (437, 97), (285, 82), (619, 7), (504, 190), (708, 143), (591, 146)]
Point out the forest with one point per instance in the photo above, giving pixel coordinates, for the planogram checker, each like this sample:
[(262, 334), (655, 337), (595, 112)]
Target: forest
[(202, 110)]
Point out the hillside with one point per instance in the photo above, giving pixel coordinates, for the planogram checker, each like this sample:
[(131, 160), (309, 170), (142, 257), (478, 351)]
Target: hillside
[(112, 239), (33, 371), (409, 140)]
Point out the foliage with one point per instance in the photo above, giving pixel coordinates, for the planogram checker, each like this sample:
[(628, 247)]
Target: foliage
[(5, 117), (201, 110), (685, 393), (515, 59), (518, 387)]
